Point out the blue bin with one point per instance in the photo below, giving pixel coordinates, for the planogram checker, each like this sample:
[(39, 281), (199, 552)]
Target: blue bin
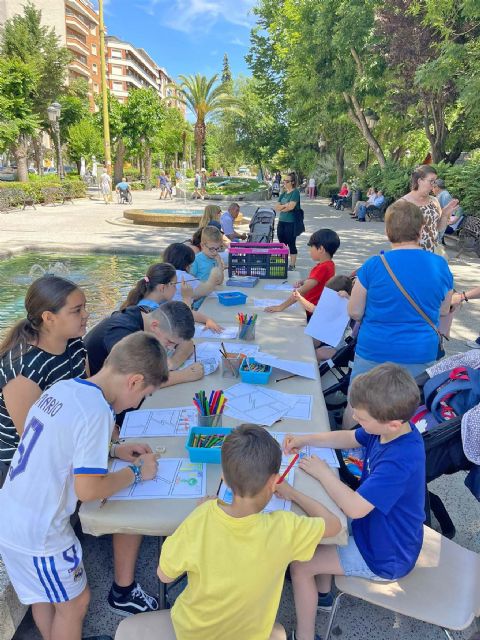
[(201, 454), (230, 299), (254, 377)]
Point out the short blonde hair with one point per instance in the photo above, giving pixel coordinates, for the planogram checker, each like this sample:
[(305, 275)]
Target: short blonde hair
[(140, 353), (403, 221), (211, 234)]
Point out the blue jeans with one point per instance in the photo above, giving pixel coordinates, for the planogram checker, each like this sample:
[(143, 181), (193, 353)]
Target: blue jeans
[(362, 212)]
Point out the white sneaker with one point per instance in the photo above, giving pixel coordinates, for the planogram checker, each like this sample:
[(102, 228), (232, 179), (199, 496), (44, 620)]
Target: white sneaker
[(473, 344)]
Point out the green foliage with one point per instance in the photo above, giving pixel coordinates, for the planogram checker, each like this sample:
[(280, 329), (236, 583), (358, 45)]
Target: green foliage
[(393, 179), (34, 186), (463, 182), (84, 139), (132, 173), (328, 189), (18, 81)]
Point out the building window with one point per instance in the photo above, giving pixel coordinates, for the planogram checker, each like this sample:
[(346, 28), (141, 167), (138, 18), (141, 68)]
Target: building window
[(116, 53), (94, 49), (96, 87), (117, 71), (118, 86), (94, 68)]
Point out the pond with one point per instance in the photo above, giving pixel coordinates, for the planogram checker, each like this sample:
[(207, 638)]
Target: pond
[(105, 279)]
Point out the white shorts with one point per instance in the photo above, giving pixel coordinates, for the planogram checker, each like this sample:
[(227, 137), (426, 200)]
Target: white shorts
[(57, 578)]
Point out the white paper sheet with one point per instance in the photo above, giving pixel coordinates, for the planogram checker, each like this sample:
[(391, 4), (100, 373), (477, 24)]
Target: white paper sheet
[(301, 409), (208, 353), (253, 403), (228, 333), (305, 369), (176, 478), (275, 504), (284, 286), (158, 422), (324, 453), (330, 318), (261, 303)]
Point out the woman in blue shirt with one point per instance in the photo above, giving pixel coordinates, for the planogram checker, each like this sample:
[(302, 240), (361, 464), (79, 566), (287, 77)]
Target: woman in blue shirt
[(392, 330)]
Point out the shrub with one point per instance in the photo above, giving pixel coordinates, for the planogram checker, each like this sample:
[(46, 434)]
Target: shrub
[(393, 179), (36, 183), (327, 190), (132, 173), (463, 182), (136, 185)]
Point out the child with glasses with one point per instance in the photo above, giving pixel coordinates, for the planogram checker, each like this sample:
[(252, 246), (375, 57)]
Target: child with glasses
[(211, 244)]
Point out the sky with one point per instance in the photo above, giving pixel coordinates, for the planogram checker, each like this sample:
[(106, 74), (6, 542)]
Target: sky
[(185, 36)]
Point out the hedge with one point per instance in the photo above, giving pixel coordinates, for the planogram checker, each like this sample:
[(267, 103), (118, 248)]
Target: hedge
[(327, 190), (34, 187)]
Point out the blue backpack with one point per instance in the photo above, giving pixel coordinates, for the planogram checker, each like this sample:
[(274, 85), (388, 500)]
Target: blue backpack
[(450, 394)]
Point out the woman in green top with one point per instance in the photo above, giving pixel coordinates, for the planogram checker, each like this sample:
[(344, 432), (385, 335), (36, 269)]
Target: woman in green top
[(287, 206)]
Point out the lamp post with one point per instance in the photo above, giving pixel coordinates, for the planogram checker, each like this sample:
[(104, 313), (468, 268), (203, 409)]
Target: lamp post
[(54, 111), (371, 119)]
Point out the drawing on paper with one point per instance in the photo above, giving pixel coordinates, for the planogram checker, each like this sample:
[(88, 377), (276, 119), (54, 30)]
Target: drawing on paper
[(176, 478), (158, 422), (276, 503)]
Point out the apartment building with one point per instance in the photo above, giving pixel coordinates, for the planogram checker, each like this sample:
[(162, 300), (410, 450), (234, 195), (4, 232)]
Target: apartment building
[(130, 67), (76, 24)]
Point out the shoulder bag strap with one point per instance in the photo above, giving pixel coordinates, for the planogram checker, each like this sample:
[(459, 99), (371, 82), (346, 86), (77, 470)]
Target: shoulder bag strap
[(408, 296)]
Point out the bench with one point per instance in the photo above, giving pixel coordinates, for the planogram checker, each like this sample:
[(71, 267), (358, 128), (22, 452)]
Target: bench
[(67, 193), (378, 213), (12, 610), (468, 235), (51, 195)]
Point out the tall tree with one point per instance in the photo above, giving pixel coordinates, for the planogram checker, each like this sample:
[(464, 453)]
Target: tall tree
[(84, 140), (226, 73), (143, 115), (205, 99), (24, 38)]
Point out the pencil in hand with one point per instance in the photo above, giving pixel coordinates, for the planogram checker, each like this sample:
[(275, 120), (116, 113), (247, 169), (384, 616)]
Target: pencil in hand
[(287, 470)]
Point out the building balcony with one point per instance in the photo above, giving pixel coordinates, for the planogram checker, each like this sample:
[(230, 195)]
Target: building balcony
[(74, 22), (83, 7), (77, 45), (150, 76), (80, 68)]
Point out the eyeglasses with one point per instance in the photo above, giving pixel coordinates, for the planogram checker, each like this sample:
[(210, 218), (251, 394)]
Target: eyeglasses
[(214, 249), (171, 284), (430, 181)]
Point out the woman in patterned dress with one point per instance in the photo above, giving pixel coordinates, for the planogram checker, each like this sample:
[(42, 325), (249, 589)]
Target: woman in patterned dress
[(435, 218)]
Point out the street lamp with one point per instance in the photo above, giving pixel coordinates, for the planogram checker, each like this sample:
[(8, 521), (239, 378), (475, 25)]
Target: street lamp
[(54, 111), (371, 119), (322, 143)]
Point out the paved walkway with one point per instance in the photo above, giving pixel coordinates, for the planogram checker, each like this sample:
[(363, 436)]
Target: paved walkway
[(93, 226)]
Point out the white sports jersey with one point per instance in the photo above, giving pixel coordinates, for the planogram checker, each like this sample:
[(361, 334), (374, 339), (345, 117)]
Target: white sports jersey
[(67, 433)]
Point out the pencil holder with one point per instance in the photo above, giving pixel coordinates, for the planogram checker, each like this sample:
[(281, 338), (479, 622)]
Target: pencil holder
[(246, 331), (214, 420), (253, 372), (231, 365), (205, 446)]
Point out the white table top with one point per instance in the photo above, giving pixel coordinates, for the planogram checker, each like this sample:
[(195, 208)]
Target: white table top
[(281, 334)]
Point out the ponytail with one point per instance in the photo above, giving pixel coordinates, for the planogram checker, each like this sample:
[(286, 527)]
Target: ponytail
[(48, 293), (159, 273)]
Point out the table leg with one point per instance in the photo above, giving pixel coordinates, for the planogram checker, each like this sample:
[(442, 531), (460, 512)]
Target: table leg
[(162, 587)]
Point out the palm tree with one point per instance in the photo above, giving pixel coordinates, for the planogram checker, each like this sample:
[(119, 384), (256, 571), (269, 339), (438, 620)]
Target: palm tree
[(204, 99)]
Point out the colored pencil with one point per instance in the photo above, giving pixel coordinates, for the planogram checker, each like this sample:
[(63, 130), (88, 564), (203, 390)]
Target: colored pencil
[(287, 470)]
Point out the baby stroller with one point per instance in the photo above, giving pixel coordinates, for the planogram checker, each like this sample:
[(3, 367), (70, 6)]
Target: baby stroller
[(275, 189), (262, 225), (444, 445)]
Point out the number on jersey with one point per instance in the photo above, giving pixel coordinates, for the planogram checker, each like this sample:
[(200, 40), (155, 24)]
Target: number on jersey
[(29, 438)]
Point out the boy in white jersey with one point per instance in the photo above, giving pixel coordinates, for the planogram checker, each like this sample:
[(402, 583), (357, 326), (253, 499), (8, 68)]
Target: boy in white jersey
[(63, 457)]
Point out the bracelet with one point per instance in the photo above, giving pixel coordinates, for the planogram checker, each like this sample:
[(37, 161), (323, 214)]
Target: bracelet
[(137, 471), (113, 446), (464, 296)]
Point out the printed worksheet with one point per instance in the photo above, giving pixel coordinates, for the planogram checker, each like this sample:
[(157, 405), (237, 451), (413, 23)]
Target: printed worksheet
[(228, 333), (208, 353), (301, 405), (253, 403), (323, 453), (158, 422), (304, 369), (275, 504), (284, 286), (176, 478)]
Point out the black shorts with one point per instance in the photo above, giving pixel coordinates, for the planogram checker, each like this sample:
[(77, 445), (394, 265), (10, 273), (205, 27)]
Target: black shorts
[(286, 234)]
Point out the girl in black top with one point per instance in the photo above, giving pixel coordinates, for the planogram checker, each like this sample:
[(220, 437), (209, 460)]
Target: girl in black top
[(39, 350)]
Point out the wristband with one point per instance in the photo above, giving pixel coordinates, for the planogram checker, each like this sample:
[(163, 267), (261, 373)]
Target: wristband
[(464, 296), (113, 446), (137, 470)]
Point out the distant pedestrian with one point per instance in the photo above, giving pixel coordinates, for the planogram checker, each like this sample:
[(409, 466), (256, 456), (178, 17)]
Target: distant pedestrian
[(106, 186), (197, 183), (311, 188)]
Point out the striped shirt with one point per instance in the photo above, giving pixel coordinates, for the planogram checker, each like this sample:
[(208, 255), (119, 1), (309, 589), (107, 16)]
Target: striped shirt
[(42, 368)]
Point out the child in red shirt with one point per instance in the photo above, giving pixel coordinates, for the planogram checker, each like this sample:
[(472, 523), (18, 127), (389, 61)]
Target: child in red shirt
[(323, 245)]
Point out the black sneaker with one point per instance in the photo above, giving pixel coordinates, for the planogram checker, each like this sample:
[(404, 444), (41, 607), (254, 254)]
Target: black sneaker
[(98, 638), (137, 601), (325, 603), (294, 637)]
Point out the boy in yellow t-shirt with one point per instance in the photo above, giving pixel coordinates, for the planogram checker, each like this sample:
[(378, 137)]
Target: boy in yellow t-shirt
[(235, 556)]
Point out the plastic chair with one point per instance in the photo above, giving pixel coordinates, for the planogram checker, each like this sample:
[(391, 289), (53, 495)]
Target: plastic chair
[(147, 626), (443, 589)]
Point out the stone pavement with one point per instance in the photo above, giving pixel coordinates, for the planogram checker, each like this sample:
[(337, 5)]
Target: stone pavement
[(90, 225)]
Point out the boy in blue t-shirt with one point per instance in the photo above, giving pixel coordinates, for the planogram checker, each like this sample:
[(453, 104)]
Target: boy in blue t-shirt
[(388, 509), (211, 244)]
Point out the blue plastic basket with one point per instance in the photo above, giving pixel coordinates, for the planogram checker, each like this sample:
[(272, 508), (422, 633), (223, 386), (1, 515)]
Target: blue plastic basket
[(231, 298), (202, 454), (254, 377)]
